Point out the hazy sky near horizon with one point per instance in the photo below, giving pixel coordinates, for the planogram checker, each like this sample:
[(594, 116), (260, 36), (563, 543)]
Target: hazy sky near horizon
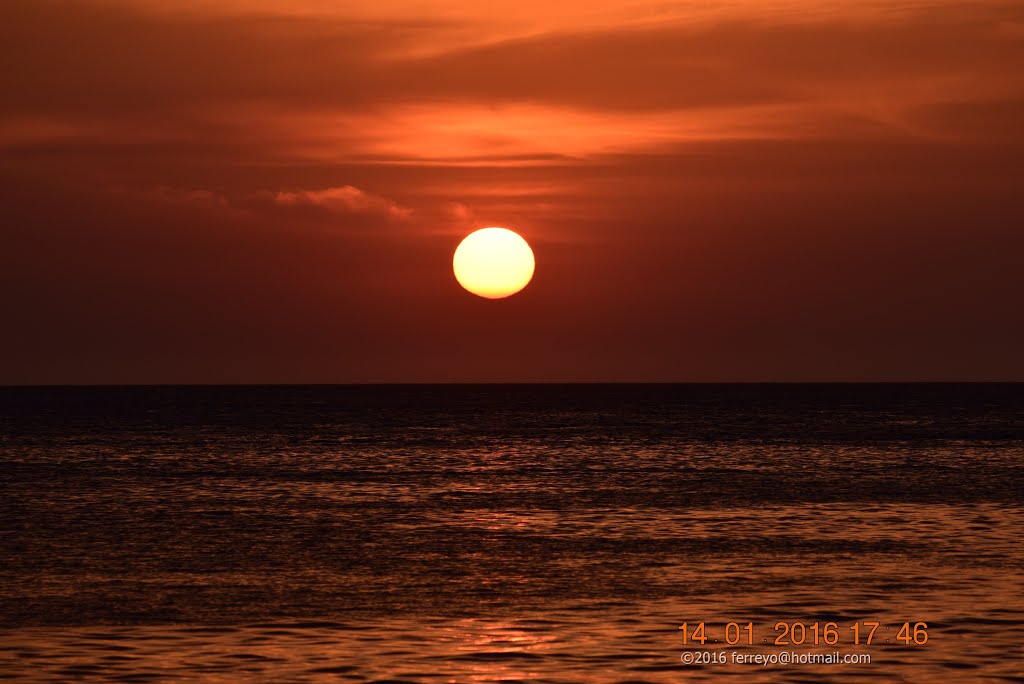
[(271, 190)]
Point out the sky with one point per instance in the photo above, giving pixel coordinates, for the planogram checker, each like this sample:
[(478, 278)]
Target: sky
[(270, 191)]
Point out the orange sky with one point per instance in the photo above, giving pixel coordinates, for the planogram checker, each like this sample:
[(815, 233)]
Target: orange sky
[(271, 190)]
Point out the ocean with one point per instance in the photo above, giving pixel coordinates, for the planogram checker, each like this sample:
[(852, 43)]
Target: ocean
[(512, 533)]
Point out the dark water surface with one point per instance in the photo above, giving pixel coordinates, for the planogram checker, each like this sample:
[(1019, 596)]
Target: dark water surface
[(506, 533)]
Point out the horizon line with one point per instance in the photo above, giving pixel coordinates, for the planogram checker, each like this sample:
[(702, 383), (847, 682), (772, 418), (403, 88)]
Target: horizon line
[(524, 383)]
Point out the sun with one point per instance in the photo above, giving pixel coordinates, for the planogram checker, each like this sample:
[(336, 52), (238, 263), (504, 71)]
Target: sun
[(493, 263)]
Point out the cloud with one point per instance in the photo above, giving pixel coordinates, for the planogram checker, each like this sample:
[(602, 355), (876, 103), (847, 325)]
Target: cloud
[(340, 201), (737, 56), (344, 199), (267, 96)]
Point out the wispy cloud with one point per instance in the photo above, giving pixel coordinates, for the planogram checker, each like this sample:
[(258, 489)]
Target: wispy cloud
[(345, 199)]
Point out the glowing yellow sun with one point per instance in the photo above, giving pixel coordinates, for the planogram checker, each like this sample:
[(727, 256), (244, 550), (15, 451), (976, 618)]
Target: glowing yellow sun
[(493, 263)]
